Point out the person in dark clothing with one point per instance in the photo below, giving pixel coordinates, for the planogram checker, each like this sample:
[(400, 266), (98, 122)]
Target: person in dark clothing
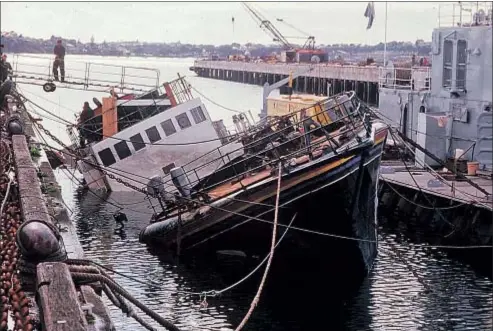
[(4, 70), (7, 66), (83, 125), (6, 85), (59, 52)]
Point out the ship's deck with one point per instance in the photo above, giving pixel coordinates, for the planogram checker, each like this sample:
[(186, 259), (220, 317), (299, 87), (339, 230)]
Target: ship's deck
[(230, 187)]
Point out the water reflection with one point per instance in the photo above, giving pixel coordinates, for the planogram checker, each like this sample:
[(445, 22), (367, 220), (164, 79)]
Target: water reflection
[(410, 287)]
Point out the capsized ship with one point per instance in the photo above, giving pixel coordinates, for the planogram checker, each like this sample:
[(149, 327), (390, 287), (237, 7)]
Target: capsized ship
[(328, 148), (152, 132)]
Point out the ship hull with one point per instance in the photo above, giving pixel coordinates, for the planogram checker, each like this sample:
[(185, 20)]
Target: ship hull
[(335, 199)]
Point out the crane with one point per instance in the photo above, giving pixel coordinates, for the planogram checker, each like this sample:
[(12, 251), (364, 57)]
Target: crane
[(310, 40), (268, 27)]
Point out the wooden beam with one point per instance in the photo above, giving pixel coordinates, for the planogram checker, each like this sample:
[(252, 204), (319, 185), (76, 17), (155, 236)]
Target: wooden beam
[(110, 117), (58, 299)]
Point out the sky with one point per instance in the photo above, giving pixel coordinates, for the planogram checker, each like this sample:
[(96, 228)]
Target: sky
[(211, 22)]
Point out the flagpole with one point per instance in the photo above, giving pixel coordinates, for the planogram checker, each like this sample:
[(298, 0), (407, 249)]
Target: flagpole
[(385, 38)]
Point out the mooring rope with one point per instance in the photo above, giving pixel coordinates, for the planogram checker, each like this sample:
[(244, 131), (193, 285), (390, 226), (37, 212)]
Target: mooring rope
[(271, 256), (85, 276), (115, 298)]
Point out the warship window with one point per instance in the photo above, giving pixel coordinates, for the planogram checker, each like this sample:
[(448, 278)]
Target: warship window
[(168, 127), (460, 76), (137, 142), (447, 63), (106, 156), (198, 114), (183, 121), (122, 150), (153, 134)]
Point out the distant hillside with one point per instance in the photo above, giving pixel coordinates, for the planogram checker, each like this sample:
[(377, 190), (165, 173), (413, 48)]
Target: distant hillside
[(17, 43)]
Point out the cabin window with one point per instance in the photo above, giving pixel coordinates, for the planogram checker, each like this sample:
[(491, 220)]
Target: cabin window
[(153, 134), (198, 114), (106, 156), (137, 142), (447, 63), (183, 121), (168, 127), (122, 150), (460, 72)]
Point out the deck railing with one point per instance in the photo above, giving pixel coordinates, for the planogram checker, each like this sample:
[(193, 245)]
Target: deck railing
[(351, 111), (465, 14), (91, 76), (415, 78)]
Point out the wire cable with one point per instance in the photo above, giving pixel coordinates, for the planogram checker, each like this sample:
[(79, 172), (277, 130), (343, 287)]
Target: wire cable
[(420, 205), (215, 103), (72, 178), (439, 177)]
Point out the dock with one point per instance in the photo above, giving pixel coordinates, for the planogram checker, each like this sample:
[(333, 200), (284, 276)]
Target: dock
[(41, 294), (440, 200), (459, 191), (324, 78)]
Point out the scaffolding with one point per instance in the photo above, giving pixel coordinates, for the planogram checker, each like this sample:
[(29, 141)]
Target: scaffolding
[(80, 75)]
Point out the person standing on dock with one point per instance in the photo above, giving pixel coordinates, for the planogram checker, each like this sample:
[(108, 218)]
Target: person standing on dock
[(5, 83), (7, 66), (59, 52)]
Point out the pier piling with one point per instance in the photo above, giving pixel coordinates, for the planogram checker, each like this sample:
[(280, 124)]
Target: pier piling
[(362, 79)]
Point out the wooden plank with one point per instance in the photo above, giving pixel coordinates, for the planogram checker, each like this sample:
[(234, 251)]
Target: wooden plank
[(110, 117), (58, 299)]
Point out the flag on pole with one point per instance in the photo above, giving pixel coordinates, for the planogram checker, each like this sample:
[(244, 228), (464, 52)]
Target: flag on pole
[(370, 13)]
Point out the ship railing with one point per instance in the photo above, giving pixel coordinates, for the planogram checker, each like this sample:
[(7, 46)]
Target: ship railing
[(351, 111), (180, 90), (417, 78), (91, 76), (465, 14)]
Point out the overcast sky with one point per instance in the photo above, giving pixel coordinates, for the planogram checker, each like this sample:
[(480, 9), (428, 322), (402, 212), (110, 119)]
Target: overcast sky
[(211, 22)]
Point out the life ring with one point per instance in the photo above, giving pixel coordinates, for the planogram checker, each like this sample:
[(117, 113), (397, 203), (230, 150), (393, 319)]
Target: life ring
[(49, 87)]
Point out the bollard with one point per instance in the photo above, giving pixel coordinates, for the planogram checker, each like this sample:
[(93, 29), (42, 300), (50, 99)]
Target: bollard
[(37, 240), (14, 124)]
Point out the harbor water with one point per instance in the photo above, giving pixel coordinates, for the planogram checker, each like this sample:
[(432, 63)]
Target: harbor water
[(409, 288)]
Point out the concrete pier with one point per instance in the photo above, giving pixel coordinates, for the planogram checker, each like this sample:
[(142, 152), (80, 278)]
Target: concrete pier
[(55, 299), (38, 237), (324, 79)]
